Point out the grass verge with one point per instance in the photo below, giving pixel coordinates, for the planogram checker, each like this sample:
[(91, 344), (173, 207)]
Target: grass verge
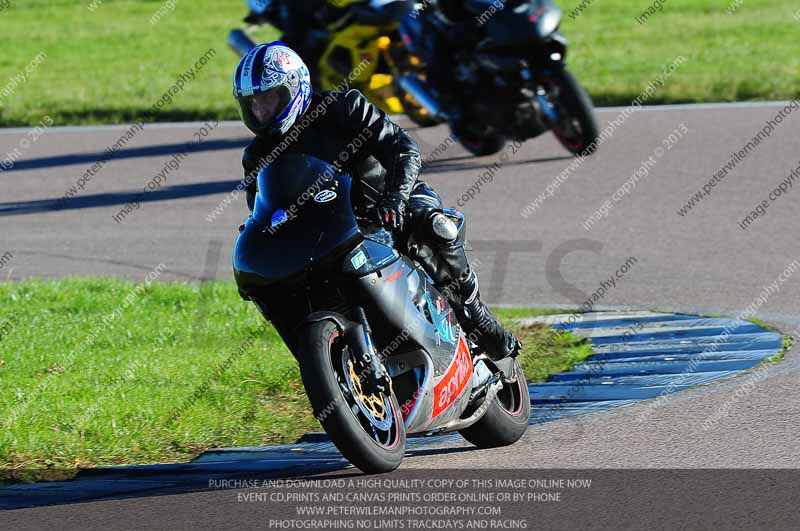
[(180, 369), (106, 61), (788, 341)]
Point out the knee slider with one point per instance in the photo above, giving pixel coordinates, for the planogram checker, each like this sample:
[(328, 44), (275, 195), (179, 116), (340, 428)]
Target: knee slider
[(443, 228)]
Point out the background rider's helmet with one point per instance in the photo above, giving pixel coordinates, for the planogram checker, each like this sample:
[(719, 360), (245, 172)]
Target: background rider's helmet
[(273, 88)]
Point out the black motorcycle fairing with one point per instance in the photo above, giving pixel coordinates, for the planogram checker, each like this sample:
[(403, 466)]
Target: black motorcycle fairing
[(550, 52), (274, 246), (412, 371), (369, 256), (381, 13), (334, 317), (417, 312), (411, 304), (519, 21)]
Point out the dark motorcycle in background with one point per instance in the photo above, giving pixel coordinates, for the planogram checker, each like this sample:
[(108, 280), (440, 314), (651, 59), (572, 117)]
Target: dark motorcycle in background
[(380, 351), (514, 82)]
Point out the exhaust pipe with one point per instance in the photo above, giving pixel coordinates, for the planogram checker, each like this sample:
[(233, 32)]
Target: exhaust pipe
[(419, 90)]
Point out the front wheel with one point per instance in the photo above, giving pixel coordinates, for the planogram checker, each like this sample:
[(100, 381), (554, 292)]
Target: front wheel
[(366, 427), (478, 141), (506, 420), (575, 127)]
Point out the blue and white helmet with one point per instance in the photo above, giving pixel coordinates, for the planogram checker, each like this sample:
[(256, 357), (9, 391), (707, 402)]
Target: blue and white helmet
[(275, 69)]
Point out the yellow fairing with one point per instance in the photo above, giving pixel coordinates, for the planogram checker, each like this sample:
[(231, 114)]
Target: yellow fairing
[(352, 58), (343, 3)]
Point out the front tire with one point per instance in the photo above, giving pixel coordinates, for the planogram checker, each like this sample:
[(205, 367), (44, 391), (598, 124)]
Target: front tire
[(479, 143), (506, 420), (348, 414), (576, 128)]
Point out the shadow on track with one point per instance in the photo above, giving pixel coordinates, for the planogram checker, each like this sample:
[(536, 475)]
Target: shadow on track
[(145, 151), (196, 476), (181, 191)]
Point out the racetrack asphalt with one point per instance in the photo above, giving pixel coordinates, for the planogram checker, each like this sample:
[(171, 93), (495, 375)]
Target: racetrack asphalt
[(702, 261)]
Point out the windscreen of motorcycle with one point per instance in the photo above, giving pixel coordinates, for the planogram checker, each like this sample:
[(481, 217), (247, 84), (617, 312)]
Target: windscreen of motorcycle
[(303, 215)]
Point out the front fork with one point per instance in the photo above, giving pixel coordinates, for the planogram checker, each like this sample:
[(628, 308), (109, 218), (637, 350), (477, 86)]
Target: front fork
[(547, 57), (359, 337), (535, 82)]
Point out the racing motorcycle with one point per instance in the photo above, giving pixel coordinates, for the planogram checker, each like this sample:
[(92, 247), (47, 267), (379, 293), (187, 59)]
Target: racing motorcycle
[(515, 79), (356, 46), (380, 351)]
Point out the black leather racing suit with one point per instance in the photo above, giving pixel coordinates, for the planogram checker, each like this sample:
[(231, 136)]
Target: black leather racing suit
[(387, 165)]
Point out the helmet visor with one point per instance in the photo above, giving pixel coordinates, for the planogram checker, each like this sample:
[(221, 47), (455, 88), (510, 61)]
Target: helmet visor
[(260, 110)]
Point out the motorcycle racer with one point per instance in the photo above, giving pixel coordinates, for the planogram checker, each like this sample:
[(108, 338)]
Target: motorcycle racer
[(272, 86), (450, 28)]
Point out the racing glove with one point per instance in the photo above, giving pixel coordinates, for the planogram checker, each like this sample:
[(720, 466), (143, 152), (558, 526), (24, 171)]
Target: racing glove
[(391, 211)]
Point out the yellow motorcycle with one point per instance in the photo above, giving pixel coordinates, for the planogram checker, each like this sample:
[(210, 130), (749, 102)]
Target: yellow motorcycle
[(361, 49)]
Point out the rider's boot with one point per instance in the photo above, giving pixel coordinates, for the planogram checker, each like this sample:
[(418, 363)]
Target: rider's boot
[(480, 324), (459, 284)]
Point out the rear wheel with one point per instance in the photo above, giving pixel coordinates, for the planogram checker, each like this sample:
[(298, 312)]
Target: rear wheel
[(365, 426), (576, 127), (506, 420)]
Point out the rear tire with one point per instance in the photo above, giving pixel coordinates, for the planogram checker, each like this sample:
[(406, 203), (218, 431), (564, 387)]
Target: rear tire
[(323, 361), (506, 420)]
